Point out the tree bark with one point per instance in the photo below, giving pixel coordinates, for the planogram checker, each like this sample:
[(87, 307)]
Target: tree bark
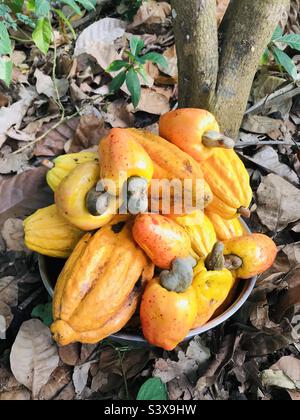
[(197, 47), (247, 28), (244, 34)]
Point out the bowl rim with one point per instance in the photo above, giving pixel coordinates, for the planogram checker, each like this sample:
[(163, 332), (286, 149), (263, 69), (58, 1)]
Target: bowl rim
[(138, 338)]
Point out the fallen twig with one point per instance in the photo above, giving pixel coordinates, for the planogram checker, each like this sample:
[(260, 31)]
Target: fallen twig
[(265, 168), (62, 119), (286, 92), (242, 145), (92, 15)]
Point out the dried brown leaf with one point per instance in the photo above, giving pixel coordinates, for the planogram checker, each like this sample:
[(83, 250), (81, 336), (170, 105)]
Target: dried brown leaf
[(76, 93), (295, 395), (262, 343), (67, 394), (8, 300), (88, 133), (14, 114), (224, 355), (98, 40), (187, 365), (30, 131), (221, 9), (23, 193), (280, 267), (80, 377), (153, 102), (290, 366), (4, 100), (99, 381), (278, 203), (268, 158), (13, 235), (293, 253), (118, 114), (9, 291), (53, 143), (33, 355), (86, 352), (151, 13), (70, 354), (265, 84), (171, 57), (45, 85), (260, 125), (59, 379), (18, 58), (283, 374), (10, 388), (132, 363), (6, 318), (105, 30), (291, 298), (11, 163), (17, 395), (296, 228)]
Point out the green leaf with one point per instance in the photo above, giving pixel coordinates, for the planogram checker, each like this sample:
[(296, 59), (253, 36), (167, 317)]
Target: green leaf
[(42, 35), (277, 34), (30, 5), (155, 58), (153, 390), (116, 66), (26, 20), (16, 5), (42, 8), (6, 68), (64, 18), (4, 10), (132, 57), (143, 73), (265, 57), (293, 40), (7, 17), (129, 8), (118, 81), (5, 43), (136, 45), (285, 61), (89, 5), (44, 313), (72, 4), (134, 86)]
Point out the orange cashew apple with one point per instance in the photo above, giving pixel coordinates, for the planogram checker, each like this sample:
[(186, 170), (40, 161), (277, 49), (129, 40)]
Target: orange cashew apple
[(250, 255), (162, 239), (169, 308), (195, 131)]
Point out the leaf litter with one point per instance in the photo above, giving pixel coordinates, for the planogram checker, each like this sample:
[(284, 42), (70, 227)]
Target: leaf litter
[(254, 355)]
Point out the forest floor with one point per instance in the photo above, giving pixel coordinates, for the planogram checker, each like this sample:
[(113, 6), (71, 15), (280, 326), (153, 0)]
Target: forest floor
[(256, 354)]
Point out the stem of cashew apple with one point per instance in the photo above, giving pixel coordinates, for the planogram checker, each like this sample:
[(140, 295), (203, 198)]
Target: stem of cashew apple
[(216, 261), (243, 211), (48, 164), (215, 139), (233, 262)]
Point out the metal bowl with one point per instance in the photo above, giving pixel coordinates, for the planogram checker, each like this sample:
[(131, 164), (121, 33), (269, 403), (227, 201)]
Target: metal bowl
[(51, 267)]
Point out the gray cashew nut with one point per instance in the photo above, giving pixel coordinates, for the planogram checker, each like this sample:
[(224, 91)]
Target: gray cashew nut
[(180, 277)]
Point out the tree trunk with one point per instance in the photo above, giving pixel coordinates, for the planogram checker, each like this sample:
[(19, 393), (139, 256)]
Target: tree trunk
[(197, 45), (244, 34)]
